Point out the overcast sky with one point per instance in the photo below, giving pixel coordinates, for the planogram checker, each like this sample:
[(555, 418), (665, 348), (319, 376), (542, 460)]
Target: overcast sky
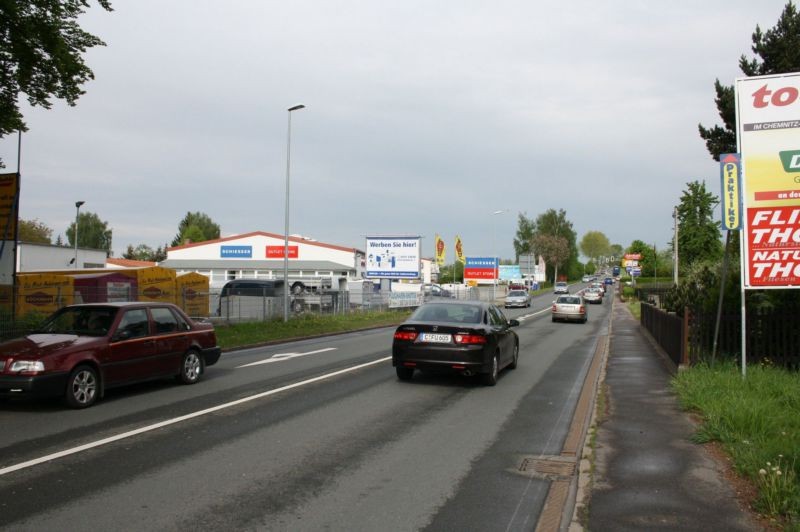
[(421, 117)]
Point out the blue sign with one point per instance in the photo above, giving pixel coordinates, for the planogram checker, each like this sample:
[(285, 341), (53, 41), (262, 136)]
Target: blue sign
[(510, 272), (236, 252), (481, 262)]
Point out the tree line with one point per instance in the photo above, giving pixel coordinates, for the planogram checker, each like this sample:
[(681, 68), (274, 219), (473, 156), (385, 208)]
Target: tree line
[(94, 233)]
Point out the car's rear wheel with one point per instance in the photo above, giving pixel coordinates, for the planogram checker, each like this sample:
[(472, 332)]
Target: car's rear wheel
[(404, 374), (82, 387), (514, 357), (191, 367), (490, 379)]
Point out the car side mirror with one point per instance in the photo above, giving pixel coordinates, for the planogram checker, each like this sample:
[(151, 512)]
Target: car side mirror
[(513, 323), (124, 334)]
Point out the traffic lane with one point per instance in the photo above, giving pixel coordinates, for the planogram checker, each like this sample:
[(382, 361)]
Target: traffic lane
[(360, 450), (44, 425)]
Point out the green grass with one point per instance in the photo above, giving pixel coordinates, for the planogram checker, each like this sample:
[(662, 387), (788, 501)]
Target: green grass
[(636, 308), (253, 333), (756, 420)]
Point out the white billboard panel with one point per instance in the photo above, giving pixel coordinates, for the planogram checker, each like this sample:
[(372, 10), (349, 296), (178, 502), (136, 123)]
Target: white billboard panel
[(393, 257)]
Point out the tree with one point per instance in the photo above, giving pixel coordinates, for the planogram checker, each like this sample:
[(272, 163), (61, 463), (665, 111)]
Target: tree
[(525, 230), (554, 249), (779, 50), (195, 227), (41, 47), (555, 223), (648, 261), (595, 244), (616, 251), (34, 231), (698, 233), (93, 233)]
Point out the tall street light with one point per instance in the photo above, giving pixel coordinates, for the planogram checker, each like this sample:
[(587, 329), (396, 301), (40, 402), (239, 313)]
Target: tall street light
[(494, 252), (77, 215), (286, 223)]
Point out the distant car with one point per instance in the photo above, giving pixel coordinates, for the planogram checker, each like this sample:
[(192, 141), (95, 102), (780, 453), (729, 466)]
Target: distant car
[(593, 295), (586, 278), (434, 290), (608, 281), (463, 337), (561, 288), (82, 350), (518, 298), (570, 308)]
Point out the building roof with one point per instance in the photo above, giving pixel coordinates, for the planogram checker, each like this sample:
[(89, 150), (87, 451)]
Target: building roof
[(294, 239), (234, 264), (128, 263)]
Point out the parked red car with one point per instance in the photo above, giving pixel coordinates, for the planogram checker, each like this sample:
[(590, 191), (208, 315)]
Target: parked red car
[(82, 350)]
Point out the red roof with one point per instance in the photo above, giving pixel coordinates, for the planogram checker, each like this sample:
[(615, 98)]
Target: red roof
[(262, 233)]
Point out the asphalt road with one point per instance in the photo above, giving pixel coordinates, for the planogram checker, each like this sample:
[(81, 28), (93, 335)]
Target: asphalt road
[(312, 435)]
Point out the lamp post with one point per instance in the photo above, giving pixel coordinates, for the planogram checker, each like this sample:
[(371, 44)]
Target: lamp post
[(286, 222), (77, 217), (675, 246), (494, 252)]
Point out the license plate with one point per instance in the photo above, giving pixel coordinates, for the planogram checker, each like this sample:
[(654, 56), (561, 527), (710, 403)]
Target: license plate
[(436, 338)]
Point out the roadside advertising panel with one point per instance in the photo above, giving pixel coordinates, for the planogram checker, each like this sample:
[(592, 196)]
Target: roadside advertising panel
[(43, 292), (459, 247), (9, 200), (440, 251), (768, 130), (509, 272), (156, 284), (478, 268), (731, 191), (393, 257), (192, 293)]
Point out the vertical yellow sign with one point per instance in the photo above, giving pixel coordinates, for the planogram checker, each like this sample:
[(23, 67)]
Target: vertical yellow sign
[(440, 251)]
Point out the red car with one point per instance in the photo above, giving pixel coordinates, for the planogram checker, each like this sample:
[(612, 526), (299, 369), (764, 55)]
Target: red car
[(82, 350)]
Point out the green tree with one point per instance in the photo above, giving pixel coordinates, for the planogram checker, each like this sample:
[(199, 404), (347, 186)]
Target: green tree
[(93, 233), (595, 244), (555, 223), (648, 253), (34, 231), (554, 249), (196, 227), (616, 251), (41, 47), (144, 252), (779, 52), (525, 230), (698, 233)]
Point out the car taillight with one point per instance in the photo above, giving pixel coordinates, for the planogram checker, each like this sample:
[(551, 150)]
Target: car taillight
[(554, 308), (583, 310), (408, 336), (469, 339)]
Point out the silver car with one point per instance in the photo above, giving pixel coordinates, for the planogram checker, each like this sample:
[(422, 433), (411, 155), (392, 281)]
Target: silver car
[(593, 295), (561, 288), (570, 308), (518, 298)]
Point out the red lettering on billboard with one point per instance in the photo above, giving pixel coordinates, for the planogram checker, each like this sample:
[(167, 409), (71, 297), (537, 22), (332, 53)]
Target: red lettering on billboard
[(774, 246), (779, 98)]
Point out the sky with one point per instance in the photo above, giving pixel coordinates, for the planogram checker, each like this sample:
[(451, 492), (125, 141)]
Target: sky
[(421, 118)]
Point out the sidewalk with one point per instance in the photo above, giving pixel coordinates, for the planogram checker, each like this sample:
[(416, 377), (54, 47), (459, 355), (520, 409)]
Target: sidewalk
[(648, 474)]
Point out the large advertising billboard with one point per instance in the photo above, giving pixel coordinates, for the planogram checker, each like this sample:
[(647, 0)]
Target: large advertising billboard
[(768, 122), (480, 268), (393, 257)]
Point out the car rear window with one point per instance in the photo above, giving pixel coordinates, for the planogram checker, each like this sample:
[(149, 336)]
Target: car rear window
[(570, 300), (516, 293), (448, 313)]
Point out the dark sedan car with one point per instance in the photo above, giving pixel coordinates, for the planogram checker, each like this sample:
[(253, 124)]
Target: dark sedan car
[(464, 337), (81, 350)]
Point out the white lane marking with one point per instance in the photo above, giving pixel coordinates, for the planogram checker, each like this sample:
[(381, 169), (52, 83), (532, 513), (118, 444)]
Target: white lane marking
[(285, 356), (522, 318), (166, 423)]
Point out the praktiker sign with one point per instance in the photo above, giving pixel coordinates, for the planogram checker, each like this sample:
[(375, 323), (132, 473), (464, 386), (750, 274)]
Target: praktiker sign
[(768, 123)]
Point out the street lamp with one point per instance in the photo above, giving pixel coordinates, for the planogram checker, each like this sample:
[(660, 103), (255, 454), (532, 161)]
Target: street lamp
[(286, 223), (77, 214), (494, 252)]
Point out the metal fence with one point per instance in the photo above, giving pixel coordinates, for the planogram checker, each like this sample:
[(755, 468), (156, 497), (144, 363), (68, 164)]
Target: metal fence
[(667, 329)]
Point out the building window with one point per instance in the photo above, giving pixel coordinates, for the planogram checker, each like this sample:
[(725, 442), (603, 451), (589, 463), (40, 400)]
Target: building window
[(231, 275)]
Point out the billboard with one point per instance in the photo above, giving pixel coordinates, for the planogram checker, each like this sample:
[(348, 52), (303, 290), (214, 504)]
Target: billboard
[(480, 268), (768, 132), (393, 257)]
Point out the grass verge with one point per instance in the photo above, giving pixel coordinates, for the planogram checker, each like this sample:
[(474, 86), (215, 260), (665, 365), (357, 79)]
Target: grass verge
[(756, 420), (254, 333)]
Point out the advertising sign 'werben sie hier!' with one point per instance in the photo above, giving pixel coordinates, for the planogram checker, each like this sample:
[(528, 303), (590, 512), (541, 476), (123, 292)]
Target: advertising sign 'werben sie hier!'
[(768, 122), (393, 257)]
